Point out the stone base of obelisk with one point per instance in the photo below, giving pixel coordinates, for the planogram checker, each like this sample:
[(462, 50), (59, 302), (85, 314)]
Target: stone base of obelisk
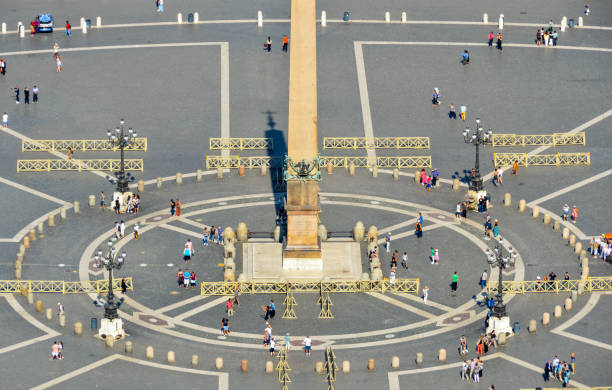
[(266, 261), (500, 325)]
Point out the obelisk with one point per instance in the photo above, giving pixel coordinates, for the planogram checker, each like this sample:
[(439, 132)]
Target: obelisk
[(302, 249)]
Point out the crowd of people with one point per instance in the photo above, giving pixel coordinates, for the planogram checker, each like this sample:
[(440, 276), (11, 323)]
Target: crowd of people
[(560, 370)]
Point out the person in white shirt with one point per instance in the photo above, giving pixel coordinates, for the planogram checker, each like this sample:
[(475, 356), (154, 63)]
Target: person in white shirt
[(5, 120), (272, 343), (307, 345)]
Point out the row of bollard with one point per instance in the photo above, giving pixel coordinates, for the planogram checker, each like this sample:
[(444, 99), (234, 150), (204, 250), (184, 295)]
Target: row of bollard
[(571, 239), (195, 18), (557, 313), (34, 234)]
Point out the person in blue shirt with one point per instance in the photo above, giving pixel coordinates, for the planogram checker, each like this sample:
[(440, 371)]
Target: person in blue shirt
[(271, 310), (465, 57)]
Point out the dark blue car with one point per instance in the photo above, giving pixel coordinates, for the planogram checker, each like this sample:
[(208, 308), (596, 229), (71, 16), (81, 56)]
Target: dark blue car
[(45, 23)]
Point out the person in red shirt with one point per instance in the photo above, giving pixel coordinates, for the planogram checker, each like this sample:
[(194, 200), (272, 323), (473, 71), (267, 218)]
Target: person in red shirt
[(68, 28)]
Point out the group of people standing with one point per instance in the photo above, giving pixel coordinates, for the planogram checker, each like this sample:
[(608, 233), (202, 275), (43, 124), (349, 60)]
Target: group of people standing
[(560, 370), (429, 181), (26, 94), (547, 37)]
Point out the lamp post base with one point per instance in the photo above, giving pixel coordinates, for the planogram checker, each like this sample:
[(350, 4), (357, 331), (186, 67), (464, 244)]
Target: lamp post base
[(499, 325), (111, 328)]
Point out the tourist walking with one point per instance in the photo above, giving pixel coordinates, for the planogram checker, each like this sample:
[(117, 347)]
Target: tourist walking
[(58, 63), (56, 48), (307, 345), (230, 307), (425, 294), (285, 43), (205, 236), (16, 90), (388, 241), (268, 45), (68, 30), (172, 207), (225, 326), (136, 231), (483, 279), (178, 207), (26, 96), (270, 310), (123, 286), (60, 309), (574, 214), (463, 112), (465, 57), (491, 36), (186, 276), (35, 94), (499, 41), (5, 120), (454, 281), (3, 67)]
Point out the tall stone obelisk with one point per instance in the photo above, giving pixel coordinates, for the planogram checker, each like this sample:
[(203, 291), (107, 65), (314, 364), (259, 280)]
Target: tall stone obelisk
[(302, 249)]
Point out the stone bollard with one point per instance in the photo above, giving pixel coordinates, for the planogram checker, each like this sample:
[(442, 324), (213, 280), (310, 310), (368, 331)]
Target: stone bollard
[(396, 174), (370, 364), (417, 177), (507, 199), (109, 341), (140, 186), (195, 360), (18, 271), (244, 365), (563, 23), (568, 304), (485, 18), (219, 363), (277, 234), (319, 367), (572, 240), (39, 306), (149, 353), (419, 358), (323, 18), (442, 355), (159, 182), (219, 173), (376, 274), (129, 347), (98, 21), (522, 205), (535, 212), (574, 295), (578, 248), (41, 227), (264, 170), (456, 185), (404, 17), (49, 314), (330, 168), (557, 226), (372, 234), (259, 19), (322, 232), (387, 17), (82, 22), (62, 320), (3, 28), (395, 362), (26, 242), (22, 249), (500, 23), (558, 311), (546, 319), (532, 326), (51, 220), (21, 30), (171, 357), (346, 366), (566, 233), (375, 171), (32, 234), (358, 231), (242, 233), (179, 18), (199, 175), (241, 170), (365, 276), (92, 201), (30, 297), (546, 219), (585, 262), (352, 169), (269, 367), (502, 338), (63, 212), (78, 328), (77, 207), (580, 21), (196, 17), (179, 178), (84, 27)]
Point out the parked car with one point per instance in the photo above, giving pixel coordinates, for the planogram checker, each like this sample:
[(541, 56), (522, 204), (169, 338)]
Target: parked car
[(45, 23)]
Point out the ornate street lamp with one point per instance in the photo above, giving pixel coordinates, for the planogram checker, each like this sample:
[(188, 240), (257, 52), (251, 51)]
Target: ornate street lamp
[(111, 325), (477, 137), (120, 139), (500, 321)]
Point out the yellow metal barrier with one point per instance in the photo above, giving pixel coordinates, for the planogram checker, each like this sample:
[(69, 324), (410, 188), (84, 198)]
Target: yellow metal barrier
[(376, 143), (555, 139), (240, 143), (83, 145), (347, 286), (575, 388), (559, 159), (78, 165), (552, 286), (60, 286), (213, 162)]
